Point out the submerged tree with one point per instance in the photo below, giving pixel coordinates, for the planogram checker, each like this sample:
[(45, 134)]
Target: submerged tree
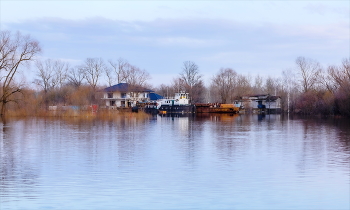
[(16, 50)]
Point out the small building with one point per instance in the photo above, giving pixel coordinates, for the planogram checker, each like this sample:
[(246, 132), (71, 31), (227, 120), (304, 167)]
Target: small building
[(126, 95), (260, 103)]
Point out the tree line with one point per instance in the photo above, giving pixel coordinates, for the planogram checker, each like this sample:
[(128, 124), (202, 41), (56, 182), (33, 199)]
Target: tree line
[(308, 88)]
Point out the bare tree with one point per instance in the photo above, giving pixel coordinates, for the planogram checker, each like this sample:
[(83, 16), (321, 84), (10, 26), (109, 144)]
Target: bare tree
[(243, 86), (46, 74), (122, 71), (290, 86), (177, 85), (198, 91), (190, 73), (93, 69), (193, 80), (309, 71), (346, 68), (76, 76), (329, 79), (15, 51), (340, 76), (136, 76), (118, 71), (52, 77), (61, 72), (258, 84), (164, 90), (51, 73), (224, 83), (271, 85), (110, 77)]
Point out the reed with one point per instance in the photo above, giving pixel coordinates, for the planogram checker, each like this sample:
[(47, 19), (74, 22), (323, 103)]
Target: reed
[(77, 114)]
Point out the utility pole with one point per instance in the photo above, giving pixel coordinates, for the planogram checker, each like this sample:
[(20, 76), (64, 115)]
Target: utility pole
[(288, 102), (269, 97)]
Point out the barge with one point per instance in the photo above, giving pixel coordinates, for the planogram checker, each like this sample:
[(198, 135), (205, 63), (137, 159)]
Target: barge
[(216, 108)]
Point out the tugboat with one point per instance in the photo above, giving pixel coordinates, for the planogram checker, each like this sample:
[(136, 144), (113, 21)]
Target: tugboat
[(180, 104)]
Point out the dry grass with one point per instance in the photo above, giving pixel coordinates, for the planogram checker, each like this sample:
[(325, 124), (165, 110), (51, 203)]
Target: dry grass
[(78, 115)]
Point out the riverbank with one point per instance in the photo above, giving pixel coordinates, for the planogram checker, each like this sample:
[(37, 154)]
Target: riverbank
[(78, 114)]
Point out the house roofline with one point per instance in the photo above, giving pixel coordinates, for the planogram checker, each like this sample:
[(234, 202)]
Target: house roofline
[(125, 87)]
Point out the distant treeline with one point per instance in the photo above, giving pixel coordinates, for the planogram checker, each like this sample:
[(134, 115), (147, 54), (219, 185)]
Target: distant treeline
[(308, 88)]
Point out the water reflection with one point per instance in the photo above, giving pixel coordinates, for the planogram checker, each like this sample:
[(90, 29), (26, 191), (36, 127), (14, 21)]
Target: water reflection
[(167, 162), (15, 170)]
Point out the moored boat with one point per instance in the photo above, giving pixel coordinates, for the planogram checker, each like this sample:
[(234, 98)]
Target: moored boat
[(180, 104), (216, 108)]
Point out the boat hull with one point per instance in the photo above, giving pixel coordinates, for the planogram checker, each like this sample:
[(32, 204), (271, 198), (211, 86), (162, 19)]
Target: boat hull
[(177, 109), (222, 108)]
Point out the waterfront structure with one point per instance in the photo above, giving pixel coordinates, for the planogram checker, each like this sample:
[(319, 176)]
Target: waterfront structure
[(260, 103), (125, 95)]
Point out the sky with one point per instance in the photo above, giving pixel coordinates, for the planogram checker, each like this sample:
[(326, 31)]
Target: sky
[(252, 37)]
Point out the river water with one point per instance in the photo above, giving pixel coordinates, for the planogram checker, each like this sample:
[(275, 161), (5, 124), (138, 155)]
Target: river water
[(159, 162)]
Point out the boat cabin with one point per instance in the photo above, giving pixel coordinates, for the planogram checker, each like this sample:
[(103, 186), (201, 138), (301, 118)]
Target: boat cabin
[(180, 99)]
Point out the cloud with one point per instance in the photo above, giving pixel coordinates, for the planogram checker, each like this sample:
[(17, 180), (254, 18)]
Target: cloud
[(181, 32), (323, 9), (163, 44)]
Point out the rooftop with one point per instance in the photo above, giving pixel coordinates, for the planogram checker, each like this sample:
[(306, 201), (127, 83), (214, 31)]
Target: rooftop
[(125, 87)]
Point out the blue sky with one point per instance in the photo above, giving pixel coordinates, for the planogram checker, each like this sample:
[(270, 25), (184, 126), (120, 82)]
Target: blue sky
[(252, 37)]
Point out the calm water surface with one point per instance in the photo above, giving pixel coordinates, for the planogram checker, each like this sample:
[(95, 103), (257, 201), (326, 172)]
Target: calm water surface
[(207, 162)]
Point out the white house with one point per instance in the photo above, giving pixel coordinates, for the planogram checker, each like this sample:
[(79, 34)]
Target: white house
[(125, 95)]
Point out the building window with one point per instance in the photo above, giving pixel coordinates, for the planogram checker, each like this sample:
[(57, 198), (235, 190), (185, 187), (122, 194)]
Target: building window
[(110, 95), (112, 103), (123, 95)]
